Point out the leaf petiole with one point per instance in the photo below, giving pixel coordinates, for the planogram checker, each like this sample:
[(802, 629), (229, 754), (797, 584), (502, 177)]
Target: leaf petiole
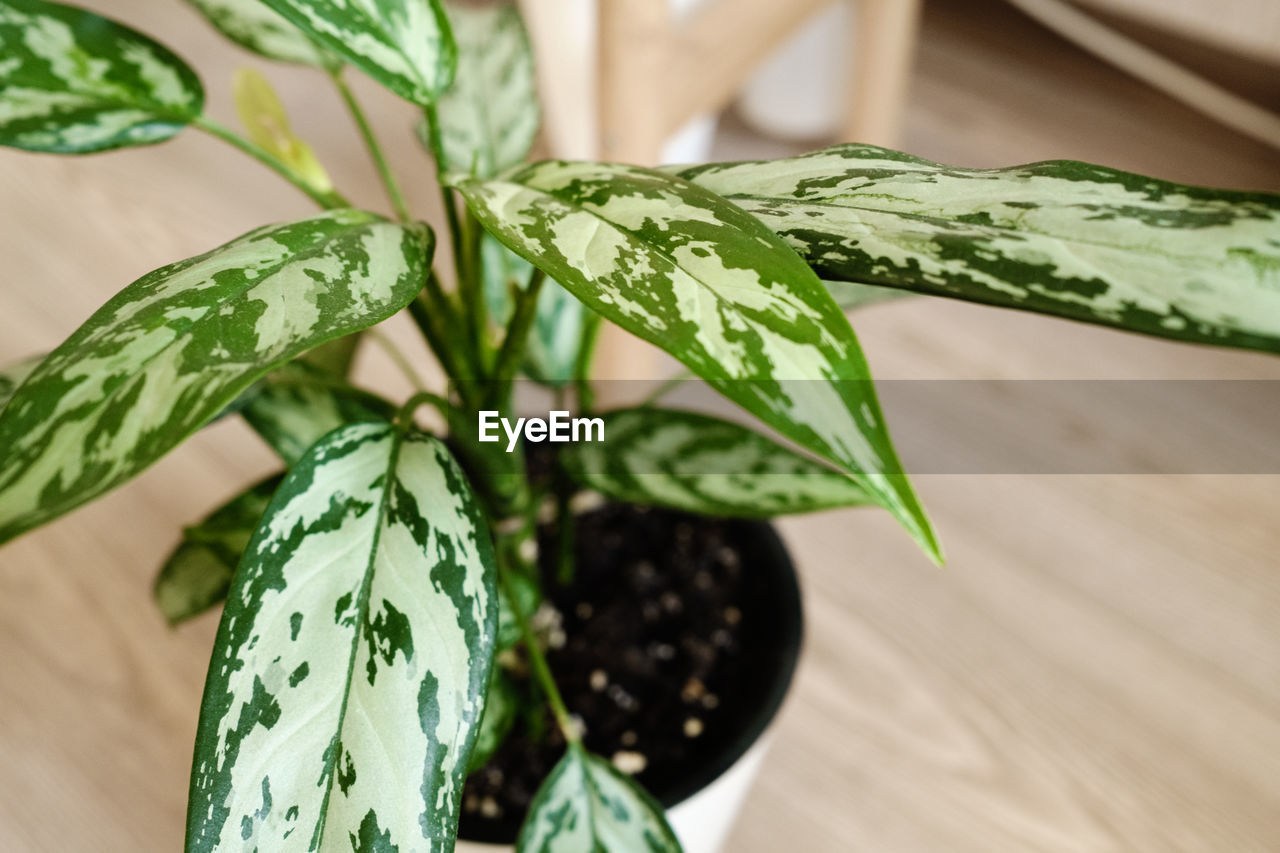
[(327, 199), (538, 661), (371, 142)]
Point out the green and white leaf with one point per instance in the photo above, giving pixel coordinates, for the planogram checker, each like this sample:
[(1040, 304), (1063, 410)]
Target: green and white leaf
[(13, 375), (72, 82), (683, 268), (1060, 237), (253, 26), (489, 116), (293, 408), (349, 670), (555, 338), (405, 45), (198, 572), (501, 709), (704, 465), (172, 349), (587, 806), (528, 597), (852, 295), (333, 359)]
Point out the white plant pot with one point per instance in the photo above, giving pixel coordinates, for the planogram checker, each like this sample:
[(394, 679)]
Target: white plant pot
[(703, 817)]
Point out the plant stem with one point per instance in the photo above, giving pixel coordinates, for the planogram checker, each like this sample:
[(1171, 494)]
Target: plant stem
[(328, 199), (371, 142), (538, 663), (398, 358), (404, 418), (666, 387), (425, 316), (566, 532), (508, 362), (471, 287), (466, 256), (454, 330), (582, 365)]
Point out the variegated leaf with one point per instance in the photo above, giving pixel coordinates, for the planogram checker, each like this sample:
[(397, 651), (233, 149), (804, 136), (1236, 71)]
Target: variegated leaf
[(348, 675), (198, 572), (253, 26), (72, 82), (556, 336), (501, 708), (1060, 237), (852, 295), (172, 349), (293, 408), (13, 375), (489, 116), (683, 268), (267, 124), (528, 598), (705, 465), (586, 806), (405, 45), (333, 359)]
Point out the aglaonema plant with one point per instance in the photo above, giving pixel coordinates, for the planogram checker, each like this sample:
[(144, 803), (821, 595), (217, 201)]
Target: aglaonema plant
[(369, 585)]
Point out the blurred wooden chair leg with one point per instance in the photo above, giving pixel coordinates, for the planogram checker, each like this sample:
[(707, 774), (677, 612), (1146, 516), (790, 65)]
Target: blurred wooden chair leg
[(884, 50), (634, 43), (564, 39)]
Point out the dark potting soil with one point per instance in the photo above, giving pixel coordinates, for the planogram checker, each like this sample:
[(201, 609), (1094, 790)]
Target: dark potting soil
[(660, 656)]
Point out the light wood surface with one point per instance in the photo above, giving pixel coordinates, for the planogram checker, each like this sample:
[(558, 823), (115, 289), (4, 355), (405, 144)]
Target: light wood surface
[(1248, 26), (1098, 669)]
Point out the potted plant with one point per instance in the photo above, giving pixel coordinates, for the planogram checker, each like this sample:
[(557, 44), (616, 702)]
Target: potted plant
[(426, 627)]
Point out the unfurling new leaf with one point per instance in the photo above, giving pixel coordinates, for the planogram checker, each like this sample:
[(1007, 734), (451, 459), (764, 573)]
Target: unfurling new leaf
[(72, 82), (350, 666), (267, 124), (172, 349)]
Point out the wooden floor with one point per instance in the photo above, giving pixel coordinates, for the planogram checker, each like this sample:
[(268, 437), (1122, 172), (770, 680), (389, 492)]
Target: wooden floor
[(1098, 668)]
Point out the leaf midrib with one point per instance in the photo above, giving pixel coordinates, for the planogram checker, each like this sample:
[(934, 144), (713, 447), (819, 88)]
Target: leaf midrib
[(362, 611)]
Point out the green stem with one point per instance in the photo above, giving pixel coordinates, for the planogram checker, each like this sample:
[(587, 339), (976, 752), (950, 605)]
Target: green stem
[(566, 532), (454, 329), (513, 344), (582, 364), (425, 314), (538, 663), (328, 199), (666, 387), (404, 418), (472, 286), (466, 265), (371, 142), (398, 358)]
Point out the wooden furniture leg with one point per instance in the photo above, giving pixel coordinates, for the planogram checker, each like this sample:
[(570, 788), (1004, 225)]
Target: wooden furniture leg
[(885, 35)]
